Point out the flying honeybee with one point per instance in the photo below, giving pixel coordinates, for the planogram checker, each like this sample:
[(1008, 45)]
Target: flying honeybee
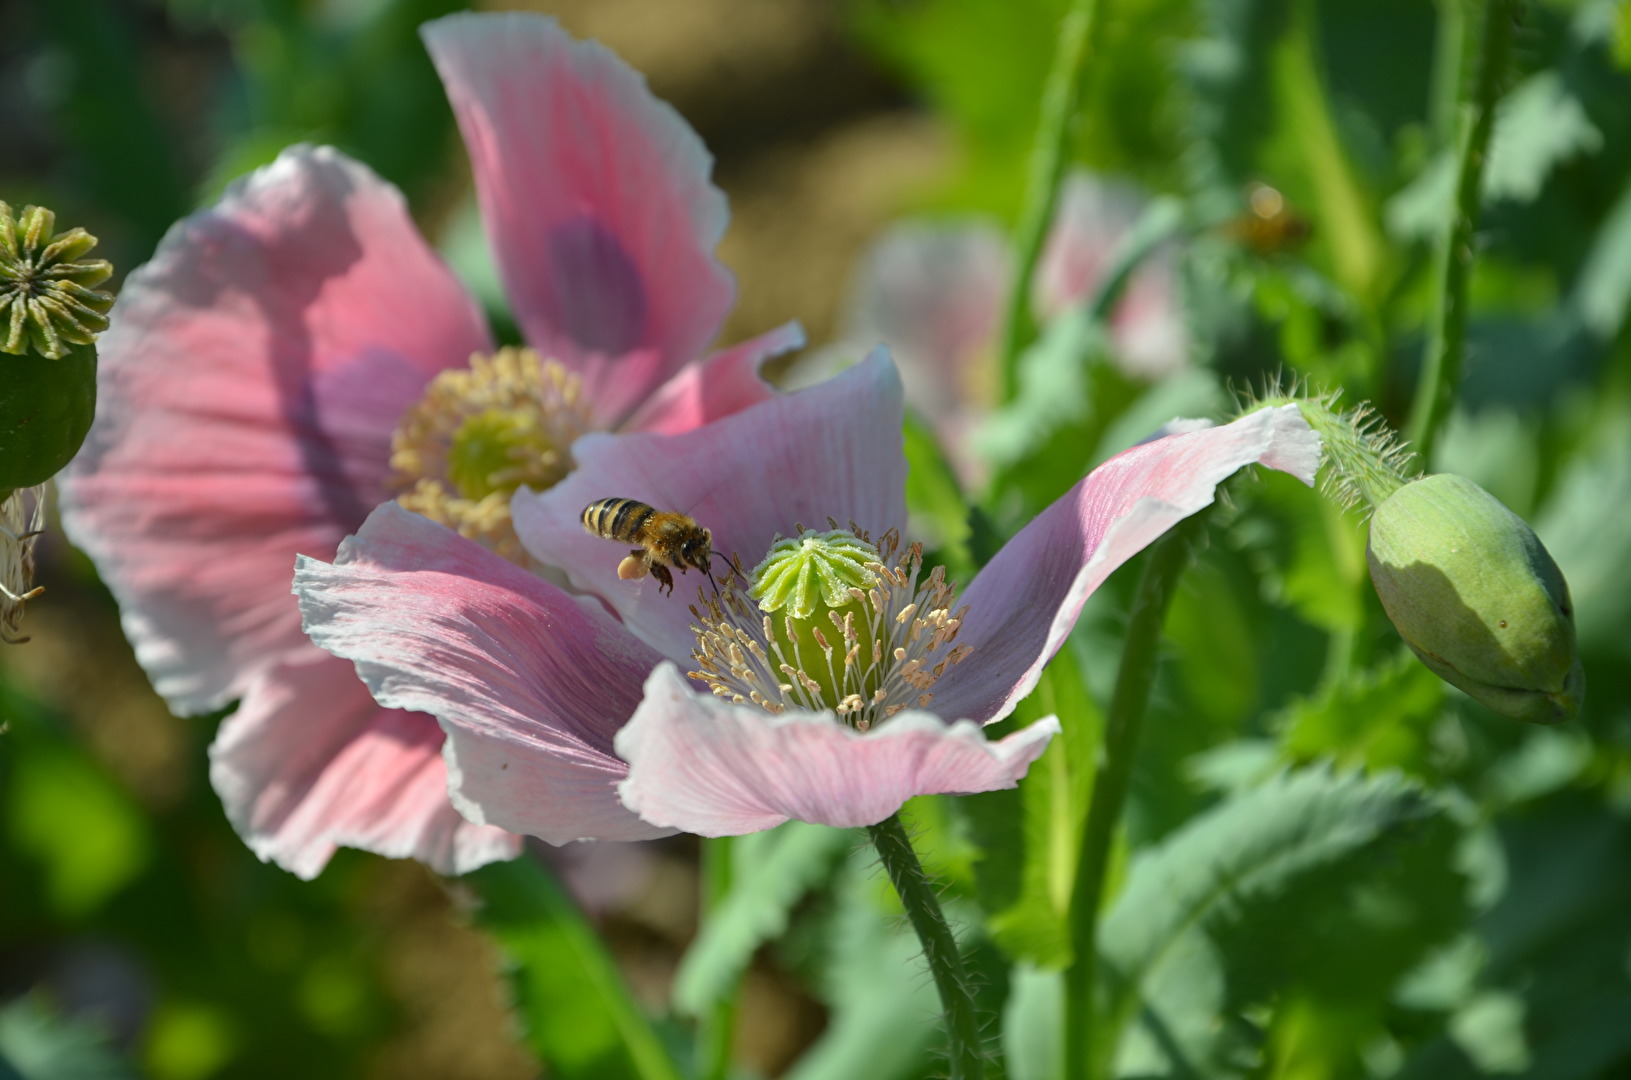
[(663, 539), (1270, 225)]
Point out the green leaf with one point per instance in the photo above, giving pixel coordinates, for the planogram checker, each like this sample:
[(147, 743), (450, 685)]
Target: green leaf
[(37, 1045), (1310, 551), (575, 1008), (1541, 125), (86, 835), (882, 999), (1380, 719), (1031, 836), (1030, 1024), (983, 63), (935, 501), (773, 872), (1284, 885), (1604, 287), (1585, 528), (1552, 994)]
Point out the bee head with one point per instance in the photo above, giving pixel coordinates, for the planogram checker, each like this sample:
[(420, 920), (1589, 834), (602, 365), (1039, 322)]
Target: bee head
[(698, 548)]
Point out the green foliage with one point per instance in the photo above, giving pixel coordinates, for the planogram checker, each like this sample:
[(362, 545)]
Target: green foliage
[(983, 64), (772, 872), (86, 836), (1359, 865), (936, 501), (1029, 838), (1382, 719), (37, 1045), (1334, 922), (575, 1008), (358, 79), (872, 978)]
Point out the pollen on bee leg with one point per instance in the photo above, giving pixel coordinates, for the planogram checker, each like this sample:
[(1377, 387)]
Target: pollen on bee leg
[(633, 566)]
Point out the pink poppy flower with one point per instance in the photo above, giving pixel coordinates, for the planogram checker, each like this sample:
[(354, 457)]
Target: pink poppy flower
[(297, 355), (565, 712), (934, 293)]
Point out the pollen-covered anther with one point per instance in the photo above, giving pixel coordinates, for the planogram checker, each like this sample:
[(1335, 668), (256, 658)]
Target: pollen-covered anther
[(855, 632), (478, 434)]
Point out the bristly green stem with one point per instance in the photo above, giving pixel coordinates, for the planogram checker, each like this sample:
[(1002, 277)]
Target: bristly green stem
[(1447, 346), (1077, 41), (1123, 723), (917, 896), (717, 1029)]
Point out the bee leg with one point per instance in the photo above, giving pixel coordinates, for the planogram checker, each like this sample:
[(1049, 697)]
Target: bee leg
[(633, 567), (665, 580)]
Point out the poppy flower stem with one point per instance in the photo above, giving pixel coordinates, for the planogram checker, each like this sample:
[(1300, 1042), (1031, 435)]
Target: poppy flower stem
[(1078, 38), (1124, 721), (917, 896), (1447, 346), (718, 1025)]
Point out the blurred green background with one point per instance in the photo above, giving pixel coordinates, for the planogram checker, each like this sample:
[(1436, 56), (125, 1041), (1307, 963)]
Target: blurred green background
[(1489, 935)]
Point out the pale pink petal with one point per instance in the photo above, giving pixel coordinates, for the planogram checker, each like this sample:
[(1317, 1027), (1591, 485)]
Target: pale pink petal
[(1024, 602), (699, 764), (1147, 327), (934, 295), (310, 763), (528, 683), (832, 450), (596, 200), (725, 383), (247, 391), (1089, 221), (1092, 220)]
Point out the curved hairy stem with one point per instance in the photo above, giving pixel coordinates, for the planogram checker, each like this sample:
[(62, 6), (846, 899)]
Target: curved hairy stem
[(1447, 347), (917, 896), (1077, 38)]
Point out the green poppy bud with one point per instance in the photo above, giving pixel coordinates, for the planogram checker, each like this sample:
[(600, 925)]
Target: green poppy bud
[(50, 314), (1477, 597)]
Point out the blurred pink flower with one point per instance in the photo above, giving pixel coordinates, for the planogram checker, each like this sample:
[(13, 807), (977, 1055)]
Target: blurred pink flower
[(934, 293), (565, 713), (294, 356)]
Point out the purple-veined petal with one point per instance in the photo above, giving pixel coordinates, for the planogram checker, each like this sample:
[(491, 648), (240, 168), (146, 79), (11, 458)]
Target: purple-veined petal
[(1024, 602), (725, 383), (528, 683), (833, 449), (596, 199), (309, 763), (247, 391), (708, 767)]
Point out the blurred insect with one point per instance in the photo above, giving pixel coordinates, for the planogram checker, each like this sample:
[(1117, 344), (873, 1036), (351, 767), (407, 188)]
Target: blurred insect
[(663, 539), (1269, 225)]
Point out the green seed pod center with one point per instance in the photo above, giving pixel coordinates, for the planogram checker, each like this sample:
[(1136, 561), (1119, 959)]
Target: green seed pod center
[(813, 589)]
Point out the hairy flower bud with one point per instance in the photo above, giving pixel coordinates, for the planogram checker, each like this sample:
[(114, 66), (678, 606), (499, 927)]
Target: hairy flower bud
[(1477, 597), (50, 314)]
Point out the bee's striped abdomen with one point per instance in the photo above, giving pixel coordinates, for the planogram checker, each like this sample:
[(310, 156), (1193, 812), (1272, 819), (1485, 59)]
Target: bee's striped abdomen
[(616, 519)]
